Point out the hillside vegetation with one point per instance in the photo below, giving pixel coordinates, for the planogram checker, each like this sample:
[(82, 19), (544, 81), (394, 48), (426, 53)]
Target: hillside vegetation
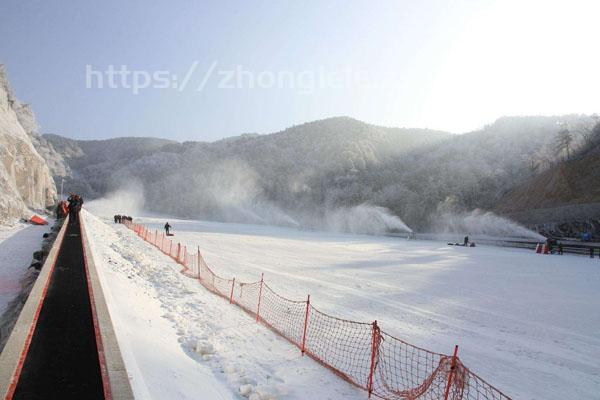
[(305, 174), (564, 198)]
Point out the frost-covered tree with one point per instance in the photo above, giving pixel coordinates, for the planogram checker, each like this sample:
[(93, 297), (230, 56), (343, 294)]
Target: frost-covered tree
[(564, 140), (310, 169)]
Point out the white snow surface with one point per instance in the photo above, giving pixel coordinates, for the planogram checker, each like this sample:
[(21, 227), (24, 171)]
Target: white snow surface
[(528, 324), (179, 341), (17, 244)]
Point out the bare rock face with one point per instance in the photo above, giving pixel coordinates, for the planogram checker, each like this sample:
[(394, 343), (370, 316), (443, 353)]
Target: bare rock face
[(25, 180)]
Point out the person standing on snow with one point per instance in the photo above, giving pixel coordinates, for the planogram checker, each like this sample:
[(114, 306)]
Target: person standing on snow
[(167, 228)]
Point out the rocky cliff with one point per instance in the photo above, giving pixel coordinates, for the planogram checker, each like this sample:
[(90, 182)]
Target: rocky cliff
[(25, 180)]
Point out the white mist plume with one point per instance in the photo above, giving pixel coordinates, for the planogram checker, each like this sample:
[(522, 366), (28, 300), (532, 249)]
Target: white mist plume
[(234, 188), (364, 218), (236, 194), (485, 223), (124, 201)]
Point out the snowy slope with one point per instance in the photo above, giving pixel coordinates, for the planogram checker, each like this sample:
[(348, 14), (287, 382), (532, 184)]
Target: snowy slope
[(527, 323), (181, 342)]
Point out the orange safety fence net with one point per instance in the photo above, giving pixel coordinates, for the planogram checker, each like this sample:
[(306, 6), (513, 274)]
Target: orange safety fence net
[(358, 352)]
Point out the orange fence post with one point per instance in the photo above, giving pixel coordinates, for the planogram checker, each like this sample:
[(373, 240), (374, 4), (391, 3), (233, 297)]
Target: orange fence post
[(178, 251), (451, 374), (231, 295), (262, 276), (305, 325), (374, 350), (155, 237), (199, 272)]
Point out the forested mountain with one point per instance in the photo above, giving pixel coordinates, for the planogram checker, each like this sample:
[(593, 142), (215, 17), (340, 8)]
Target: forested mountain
[(233, 179), (564, 198), (87, 166), (304, 174), (469, 171)]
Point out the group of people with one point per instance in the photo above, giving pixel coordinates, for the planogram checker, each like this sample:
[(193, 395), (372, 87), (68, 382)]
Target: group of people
[(70, 207), (75, 203), (119, 219), (466, 243)]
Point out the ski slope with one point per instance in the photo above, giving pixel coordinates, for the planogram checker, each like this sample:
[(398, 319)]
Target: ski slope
[(526, 323)]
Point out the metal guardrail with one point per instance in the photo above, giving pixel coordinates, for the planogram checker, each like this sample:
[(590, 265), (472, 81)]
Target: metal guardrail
[(570, 246)]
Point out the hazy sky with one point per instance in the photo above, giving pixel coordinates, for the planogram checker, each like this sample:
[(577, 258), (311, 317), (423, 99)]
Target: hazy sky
[(261, 66)]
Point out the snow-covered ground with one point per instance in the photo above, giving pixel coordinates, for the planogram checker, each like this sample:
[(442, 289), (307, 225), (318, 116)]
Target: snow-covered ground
[(17, 244), (527, 323), (181, 342)]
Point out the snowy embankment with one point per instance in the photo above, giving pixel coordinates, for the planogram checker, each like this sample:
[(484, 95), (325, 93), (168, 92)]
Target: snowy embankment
[(17, 245), (526, 323)]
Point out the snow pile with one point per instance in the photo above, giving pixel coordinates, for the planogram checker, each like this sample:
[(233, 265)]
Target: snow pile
[(366, 219), (205, 349), (483, 223)]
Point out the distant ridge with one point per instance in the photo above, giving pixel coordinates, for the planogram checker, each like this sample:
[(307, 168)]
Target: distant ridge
[(298, 175)]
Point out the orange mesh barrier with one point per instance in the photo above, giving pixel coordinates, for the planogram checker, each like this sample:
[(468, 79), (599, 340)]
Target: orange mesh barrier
[(358, 352)]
